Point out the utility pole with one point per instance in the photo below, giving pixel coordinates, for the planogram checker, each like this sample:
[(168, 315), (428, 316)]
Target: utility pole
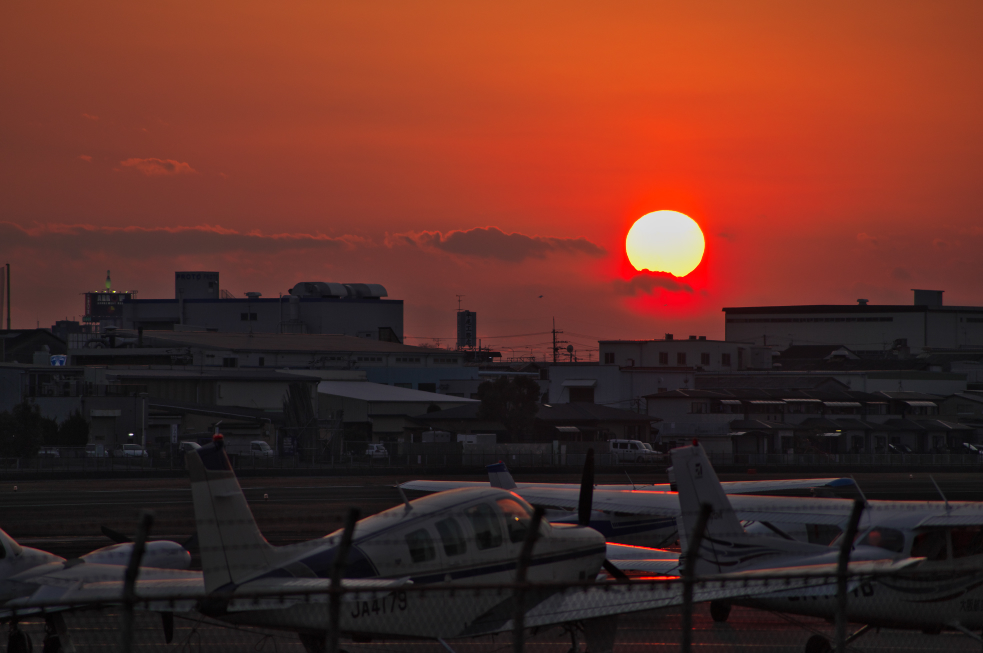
[(459, 298), (556, 343)]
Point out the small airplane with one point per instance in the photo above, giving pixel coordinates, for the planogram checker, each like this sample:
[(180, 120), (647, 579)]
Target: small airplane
[(943, 590), (30, 576), (645, 515)]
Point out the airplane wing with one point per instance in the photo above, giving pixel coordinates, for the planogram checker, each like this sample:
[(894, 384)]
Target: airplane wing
[(730, 487), (643, 560)]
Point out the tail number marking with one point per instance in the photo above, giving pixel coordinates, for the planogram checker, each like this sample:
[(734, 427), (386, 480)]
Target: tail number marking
[(395, 602)]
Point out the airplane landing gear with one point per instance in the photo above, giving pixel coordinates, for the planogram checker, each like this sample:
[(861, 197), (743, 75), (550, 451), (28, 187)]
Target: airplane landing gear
[(819, 644), (719, 611)]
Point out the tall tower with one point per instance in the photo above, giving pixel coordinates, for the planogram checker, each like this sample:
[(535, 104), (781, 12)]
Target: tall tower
[(467, 329)]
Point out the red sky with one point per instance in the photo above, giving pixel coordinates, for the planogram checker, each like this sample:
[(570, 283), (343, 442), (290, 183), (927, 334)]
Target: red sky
[(496, 150)]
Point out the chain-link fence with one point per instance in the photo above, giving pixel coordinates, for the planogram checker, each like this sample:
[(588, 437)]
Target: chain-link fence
[(775, 613)]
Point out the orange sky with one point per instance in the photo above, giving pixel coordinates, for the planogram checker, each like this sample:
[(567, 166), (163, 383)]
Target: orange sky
[(829, 153)]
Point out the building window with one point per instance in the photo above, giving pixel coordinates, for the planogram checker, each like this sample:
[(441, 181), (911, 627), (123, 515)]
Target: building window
[(247, 317), (230, 362), (681, 358), (663, 358), (725, 359), (704, 359), (427, 387), (609, 358), (698, 407), (262, 361)]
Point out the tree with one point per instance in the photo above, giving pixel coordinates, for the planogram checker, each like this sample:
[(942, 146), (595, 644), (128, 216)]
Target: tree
[(514, 403), (74, 431), (21, 430)]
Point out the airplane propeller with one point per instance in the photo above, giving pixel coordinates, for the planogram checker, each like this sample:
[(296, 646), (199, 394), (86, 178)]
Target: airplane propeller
[(585, 504)]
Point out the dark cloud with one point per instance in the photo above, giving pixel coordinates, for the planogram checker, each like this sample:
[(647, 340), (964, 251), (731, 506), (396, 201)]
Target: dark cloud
[(865, 239), (647, 282), (153, 167), (901, 274), (728, 236), (492, 242), (79, 240)]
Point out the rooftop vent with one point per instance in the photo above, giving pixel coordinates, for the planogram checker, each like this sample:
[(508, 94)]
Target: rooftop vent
[(668, 336), (928, 297), (703, 337), (863, 302), (692, 337)]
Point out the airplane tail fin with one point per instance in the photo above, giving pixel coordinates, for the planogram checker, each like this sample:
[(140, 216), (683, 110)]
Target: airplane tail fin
[(232, 547), (499, 476), (725, 545)]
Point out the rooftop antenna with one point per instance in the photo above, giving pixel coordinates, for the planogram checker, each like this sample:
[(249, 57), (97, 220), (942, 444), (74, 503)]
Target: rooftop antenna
[(940, 492), (459, 297)]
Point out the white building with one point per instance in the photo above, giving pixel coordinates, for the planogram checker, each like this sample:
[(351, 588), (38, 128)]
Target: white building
[(693, 353), (863, 326)]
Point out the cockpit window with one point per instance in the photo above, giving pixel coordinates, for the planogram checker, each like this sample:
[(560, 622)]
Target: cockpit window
[(421, 546), (889, 539), (517, 519), (929, 545), (487, 530), (452, 536), (967, 541)]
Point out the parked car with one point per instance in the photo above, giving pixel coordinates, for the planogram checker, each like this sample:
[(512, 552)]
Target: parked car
[(968, 448), (634, 451), (96, 451), (187, 445), (49, 452), (130, 451), (899, 448), (376, 450)]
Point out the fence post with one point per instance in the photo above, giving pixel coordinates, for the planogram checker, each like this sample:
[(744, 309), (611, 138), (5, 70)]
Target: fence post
[(689, 574), (842, 573), (337, 571), (130, 579), (525, 557)]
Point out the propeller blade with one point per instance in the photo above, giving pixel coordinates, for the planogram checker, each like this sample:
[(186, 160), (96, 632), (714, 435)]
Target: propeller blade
[(586, 490), (614, 571), (115, 536), (167, 619)]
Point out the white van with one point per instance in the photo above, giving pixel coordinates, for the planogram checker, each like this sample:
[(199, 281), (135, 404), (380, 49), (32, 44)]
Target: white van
[(634, 451), (260, 449)]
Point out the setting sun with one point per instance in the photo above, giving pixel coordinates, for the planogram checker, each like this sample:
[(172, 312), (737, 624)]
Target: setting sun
[(665, 241)]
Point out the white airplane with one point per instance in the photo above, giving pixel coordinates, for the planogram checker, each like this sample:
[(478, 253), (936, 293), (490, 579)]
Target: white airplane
[(945, 589), (644, 516), (29, 576)]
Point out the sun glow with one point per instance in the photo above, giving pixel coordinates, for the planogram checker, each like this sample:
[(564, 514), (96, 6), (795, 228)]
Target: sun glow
[(665, 241)]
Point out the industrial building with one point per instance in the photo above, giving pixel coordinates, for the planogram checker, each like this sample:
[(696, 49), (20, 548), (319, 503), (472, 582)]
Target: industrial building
[(861, 327), (354, 309), (692, 353)]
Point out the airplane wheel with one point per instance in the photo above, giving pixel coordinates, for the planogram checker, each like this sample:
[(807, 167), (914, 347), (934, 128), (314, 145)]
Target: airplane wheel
[(818, 644), (313, 643), (719, 610)]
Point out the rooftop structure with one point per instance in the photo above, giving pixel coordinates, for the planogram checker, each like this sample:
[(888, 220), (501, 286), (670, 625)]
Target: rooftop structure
[(861, 327)]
